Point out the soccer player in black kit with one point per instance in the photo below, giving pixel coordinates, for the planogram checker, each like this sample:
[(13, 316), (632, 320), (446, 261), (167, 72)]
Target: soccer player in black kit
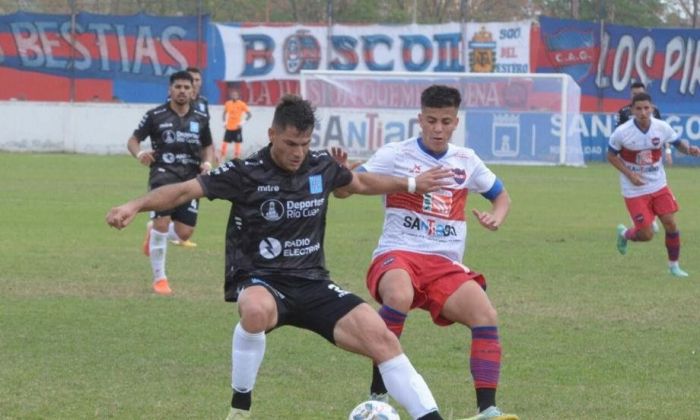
[(181, 149), (275, 267)]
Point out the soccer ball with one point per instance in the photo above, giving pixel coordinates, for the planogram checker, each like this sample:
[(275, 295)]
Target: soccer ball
[(374, 410)]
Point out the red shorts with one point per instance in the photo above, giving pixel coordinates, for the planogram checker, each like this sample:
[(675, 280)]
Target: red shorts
[(644, 208), (434, 279)]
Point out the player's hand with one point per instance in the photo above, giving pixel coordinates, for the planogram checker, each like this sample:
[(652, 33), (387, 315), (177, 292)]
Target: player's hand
[(433, 179), (341, 156), (694, 151), (635, 179), (146, 157), (205, 168), (120, 217), (486, 219)]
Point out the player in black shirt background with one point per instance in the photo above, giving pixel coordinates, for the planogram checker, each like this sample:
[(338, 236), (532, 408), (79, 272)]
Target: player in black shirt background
[(275, 265), (181, 149), (200, 102)]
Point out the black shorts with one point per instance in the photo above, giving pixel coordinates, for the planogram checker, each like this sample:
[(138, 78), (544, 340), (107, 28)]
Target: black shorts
[(185, 213), (314, 305), (234, 136)]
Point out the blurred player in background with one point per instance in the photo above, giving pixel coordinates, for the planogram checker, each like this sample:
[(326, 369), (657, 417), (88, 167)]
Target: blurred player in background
[(418, 262), (199, 101), (635, 149), (275, 264), (182, 149), (234, 109)]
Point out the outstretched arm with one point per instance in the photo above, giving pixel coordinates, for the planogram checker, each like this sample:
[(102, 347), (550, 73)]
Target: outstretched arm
[(163, 198), (684, 146), (366, 183), (493, 219)]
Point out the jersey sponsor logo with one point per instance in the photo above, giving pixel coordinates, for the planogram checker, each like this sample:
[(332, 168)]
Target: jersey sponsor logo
[(644, 157), (316, 184), (439, 204), (165, 125), (415, 170), (168, 158), (194, 126), (272, 210), (459, 175), (300, 247), (168, 136), (270, 248), (268, 188), (429, 226), (306, 208)]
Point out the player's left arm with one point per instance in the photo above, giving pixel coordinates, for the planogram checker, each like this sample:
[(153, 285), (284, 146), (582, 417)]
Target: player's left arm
[(684, 146), (500, 206)]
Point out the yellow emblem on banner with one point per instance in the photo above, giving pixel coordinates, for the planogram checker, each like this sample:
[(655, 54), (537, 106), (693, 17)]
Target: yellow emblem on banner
[(482, 54)]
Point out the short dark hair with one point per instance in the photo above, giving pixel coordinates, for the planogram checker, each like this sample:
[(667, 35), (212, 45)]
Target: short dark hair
[(440, 96), (181, 75), (638, 85), (641, 97), (296, 112), (193, 70)]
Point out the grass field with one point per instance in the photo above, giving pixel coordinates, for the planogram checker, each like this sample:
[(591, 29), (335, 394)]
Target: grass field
[(587, 333)]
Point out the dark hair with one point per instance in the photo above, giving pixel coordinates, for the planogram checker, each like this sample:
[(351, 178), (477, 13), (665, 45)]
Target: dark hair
[(638, 85), (193, 70), (641, 97), (181, 75), (440, 96), (296, 112)]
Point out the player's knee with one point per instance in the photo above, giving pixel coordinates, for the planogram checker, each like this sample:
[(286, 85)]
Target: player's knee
[(485, 317), (645, 234), (382, 345), (255, 316)]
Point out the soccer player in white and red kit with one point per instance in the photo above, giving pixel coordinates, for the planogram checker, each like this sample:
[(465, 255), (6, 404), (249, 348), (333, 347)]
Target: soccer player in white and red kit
[(418, 262), (635, 149)]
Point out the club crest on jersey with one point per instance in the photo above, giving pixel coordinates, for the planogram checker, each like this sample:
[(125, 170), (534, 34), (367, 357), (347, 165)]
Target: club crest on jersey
[(656, 141), (459, 175), (194, 126), (316, 184)]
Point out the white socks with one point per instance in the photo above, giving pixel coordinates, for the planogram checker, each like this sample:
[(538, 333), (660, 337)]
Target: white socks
[(246, 357), (172, 235), (406, 386), (157, 247)]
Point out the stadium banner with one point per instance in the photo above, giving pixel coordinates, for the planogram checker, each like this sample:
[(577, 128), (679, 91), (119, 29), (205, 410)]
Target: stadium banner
[(97, 57), (605, 59), (265, 61)]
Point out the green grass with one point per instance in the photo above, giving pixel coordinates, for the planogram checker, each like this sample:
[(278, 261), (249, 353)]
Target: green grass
[(587, 333)]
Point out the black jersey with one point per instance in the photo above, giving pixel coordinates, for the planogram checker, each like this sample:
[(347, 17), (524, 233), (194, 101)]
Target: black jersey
[(201, 104), (278, 219), (177, 141), (625, 113)]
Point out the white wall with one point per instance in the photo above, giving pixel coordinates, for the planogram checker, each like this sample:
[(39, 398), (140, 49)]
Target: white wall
[(99, 128)]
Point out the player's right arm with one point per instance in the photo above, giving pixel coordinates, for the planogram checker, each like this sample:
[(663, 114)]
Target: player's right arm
[(145, 157), (616, 161), (159, 199)]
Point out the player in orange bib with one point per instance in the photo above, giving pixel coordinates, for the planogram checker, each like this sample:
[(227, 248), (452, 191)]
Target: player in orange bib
[(234, 109)]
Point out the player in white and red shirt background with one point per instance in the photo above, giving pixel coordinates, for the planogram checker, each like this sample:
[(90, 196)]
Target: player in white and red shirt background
[(636, 149), (418, 262)]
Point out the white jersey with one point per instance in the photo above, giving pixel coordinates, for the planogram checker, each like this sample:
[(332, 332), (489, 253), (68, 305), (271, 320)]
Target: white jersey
[(642, 153), (432, 223)]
